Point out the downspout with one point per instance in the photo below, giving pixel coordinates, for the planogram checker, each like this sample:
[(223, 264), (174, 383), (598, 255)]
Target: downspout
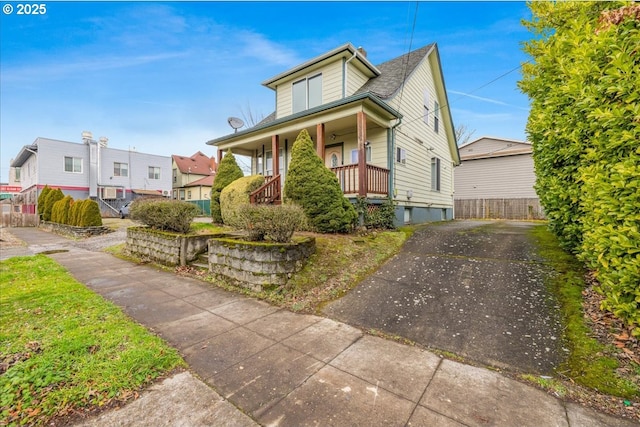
[(346, 72), (390, 158)]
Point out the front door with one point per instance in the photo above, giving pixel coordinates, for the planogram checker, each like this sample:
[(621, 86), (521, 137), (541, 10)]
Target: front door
[(333, 156)]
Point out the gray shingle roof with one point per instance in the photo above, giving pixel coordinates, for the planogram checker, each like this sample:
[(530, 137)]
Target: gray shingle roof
[(392, 73)]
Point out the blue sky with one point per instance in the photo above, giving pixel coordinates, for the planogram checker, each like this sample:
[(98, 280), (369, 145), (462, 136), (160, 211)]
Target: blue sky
[(164, 76)]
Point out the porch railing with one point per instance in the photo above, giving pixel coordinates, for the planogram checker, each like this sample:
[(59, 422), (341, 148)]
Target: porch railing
[(268, 194), (377, 179)]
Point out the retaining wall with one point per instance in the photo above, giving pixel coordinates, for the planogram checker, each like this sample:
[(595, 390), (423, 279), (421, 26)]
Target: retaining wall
[(165, 247), (258, 264), (72, 231)]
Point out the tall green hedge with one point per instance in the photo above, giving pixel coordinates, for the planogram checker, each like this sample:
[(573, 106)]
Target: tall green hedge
[(41, 199), (52, 197), (227, 172), (317, 190), (583, 82)]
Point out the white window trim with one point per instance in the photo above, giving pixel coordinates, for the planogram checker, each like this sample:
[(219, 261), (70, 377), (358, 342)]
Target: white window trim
[(436, 183), (120, 169), (64, 166), (306, 92), (154, 170), (401, 155)]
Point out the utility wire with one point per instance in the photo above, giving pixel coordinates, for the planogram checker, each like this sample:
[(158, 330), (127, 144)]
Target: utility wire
[(468, 93)]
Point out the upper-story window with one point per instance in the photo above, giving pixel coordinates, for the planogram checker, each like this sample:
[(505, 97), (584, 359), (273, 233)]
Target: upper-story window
[(154, 172), (120, 169), (425, 112), (436, 116), (17, 174), (73, 164), (307, 93)]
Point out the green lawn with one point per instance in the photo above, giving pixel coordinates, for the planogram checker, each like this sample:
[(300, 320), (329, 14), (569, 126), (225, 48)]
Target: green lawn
[(64, 349)]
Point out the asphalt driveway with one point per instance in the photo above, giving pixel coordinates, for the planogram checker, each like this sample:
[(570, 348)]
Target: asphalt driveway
[(474, 288)]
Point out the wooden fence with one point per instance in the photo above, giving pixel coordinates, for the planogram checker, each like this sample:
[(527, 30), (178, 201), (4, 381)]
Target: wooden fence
[(498, 209)]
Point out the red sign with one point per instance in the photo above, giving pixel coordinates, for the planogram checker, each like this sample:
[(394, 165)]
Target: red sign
[(10, 189)]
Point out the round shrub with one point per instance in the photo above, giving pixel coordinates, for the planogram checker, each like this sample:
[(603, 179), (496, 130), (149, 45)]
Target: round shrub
[(227, 172), (314, 187), (272, 222), (236, 195), (162, 214)]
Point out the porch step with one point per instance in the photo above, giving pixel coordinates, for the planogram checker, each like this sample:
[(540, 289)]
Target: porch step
[(202, 262)]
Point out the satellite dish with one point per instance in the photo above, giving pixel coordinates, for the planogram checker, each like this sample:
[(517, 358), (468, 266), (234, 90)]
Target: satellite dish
[(235, 123)]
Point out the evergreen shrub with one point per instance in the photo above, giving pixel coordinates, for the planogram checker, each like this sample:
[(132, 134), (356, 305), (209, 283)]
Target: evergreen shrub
[(317, 190), (166, 215), (227, 172), (236, 195), (270, 222)]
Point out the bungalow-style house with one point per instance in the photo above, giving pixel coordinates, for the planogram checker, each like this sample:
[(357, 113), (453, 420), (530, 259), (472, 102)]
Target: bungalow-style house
[(496, 179), (386, 130), (90, 169), (192, 179)]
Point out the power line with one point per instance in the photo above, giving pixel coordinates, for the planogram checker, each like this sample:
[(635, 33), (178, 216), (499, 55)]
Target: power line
[(406, 63), (469, 93)]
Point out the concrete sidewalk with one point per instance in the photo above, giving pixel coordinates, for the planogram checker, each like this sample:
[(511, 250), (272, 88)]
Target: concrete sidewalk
[(286, 369)]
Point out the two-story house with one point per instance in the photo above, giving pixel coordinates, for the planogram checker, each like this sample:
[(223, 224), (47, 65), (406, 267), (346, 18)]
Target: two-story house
[(386, 130), (90, 170), (192, 179)]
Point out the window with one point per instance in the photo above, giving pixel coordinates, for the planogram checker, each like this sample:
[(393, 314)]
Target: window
[(189, 195), (435, 174), (401, 155), (307, 93), (436, 115), (73, 164), (334, 160), (175, 176), (120, 169), (425, 113), (367, 154), (17, 174), (154, 172), (181, 194)]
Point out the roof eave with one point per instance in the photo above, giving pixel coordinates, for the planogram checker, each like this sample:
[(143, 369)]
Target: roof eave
[(24, 154), (345, 47), (321, 108)]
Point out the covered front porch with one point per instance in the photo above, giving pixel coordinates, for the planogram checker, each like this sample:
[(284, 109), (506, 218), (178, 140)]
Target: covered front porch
[(354, 141)]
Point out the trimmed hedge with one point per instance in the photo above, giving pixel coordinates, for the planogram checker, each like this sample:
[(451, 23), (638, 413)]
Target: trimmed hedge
[(317, 190), (270, 222), (166, 215), (52, 197), (583, 84), (236, 195), (41, 199)]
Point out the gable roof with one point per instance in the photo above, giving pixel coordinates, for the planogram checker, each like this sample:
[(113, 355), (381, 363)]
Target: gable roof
[(491, 147), (199, 164), (206, 181), (394, 72), (346, 50)]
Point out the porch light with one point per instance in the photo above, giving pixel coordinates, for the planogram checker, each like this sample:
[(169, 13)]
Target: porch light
[(409, 194)]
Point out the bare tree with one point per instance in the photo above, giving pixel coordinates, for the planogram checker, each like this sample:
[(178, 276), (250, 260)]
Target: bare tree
[(250, 117), (463, 134)]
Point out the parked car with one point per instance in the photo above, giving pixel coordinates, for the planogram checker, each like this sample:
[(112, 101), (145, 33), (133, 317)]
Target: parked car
[(124, 210)]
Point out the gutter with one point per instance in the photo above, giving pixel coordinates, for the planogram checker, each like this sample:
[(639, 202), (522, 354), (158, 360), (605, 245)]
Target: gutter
[(319, 109)]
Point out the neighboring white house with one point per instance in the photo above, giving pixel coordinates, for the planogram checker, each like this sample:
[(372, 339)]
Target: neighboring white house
[(386, 130), (496, 180), (89, 170)]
